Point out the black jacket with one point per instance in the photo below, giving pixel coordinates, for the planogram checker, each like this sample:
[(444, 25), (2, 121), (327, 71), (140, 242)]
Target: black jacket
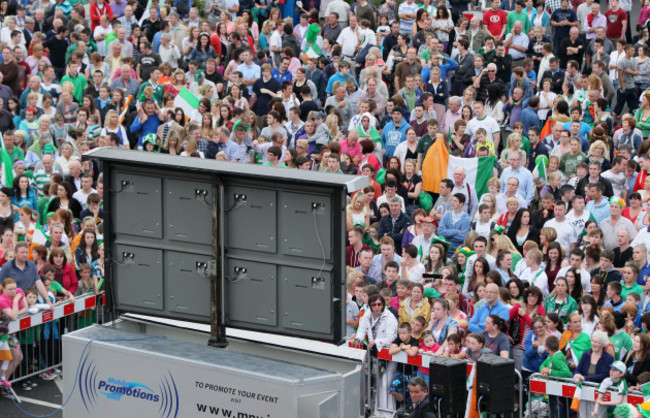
[(504, 64), (639, 367), (422, 410), (609, 191), (396, 230), (557, 78), (465, 69)]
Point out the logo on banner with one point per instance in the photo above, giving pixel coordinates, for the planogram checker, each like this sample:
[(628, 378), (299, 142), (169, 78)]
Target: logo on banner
[(93, 387)]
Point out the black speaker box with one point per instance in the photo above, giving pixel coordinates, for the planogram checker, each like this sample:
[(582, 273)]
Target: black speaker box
[(447, 385), (495, 379)]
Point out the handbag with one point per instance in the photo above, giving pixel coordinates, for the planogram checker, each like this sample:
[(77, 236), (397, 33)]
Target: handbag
[(514, 329)]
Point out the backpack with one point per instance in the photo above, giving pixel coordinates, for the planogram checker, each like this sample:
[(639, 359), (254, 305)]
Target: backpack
[(182, 7), (292, 41)]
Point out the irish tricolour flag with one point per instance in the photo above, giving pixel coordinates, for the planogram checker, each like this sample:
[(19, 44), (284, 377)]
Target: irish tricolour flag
[(439, 165), (187, 101)]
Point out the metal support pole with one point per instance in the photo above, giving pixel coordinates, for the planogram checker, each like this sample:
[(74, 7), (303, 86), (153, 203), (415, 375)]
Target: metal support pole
[(215, 271)]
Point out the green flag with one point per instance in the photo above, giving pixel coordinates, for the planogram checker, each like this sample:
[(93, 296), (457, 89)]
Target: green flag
[(7, 166)]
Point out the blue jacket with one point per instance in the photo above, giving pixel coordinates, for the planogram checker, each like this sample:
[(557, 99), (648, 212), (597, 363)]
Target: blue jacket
[(529, 118), (150, 126), (477, 323), (391, 137), (532, 359), (602, 367), (454, 233)]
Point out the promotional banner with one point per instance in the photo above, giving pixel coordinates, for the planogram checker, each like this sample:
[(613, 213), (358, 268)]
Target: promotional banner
[(120, 382)]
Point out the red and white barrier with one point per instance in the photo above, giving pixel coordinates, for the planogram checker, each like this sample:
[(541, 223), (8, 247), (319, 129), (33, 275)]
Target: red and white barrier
[(60, 310), (421, 360), (567, 390)]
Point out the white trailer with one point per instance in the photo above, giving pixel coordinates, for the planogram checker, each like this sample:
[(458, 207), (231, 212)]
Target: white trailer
[(154, 369)]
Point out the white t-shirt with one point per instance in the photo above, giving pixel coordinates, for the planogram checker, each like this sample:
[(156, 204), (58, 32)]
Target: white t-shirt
[(101, 45), (415, 273), (82, 198), (566, 233), (619, 181), (276, 40), (578, 222), (488, 123), (536, 278), (348, 40)]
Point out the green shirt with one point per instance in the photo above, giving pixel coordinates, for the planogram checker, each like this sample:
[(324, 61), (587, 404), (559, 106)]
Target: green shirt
[(268, 164), (17, 153), (158, 92), (622, 344), (562, 309), (558, 365), (513, 16), (487, 56), (634, 288), (79, 82), (423, 145)]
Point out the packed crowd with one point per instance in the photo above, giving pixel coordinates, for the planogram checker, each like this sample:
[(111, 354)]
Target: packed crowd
[(546, 265)]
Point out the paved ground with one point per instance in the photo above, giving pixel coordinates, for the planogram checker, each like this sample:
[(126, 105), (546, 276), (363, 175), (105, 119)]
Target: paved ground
[(42, 400)]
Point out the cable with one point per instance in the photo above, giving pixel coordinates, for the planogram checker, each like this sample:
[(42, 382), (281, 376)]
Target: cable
[(322, 247), (205, 202), (125, 184), (478, 406), (235, 205), (78, 371)]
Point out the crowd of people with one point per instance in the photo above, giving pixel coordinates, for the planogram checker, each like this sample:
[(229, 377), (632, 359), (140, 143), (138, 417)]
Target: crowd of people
[(547, 267)]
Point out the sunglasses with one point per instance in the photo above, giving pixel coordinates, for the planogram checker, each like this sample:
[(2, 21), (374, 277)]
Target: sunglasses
[(377, 304)]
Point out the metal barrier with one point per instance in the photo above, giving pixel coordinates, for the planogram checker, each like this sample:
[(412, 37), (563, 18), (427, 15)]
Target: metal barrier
[(566, 388), (39, 336), (380, 376)]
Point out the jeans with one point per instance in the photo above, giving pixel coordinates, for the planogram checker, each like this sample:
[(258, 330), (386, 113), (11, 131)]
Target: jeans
[(628, 96)]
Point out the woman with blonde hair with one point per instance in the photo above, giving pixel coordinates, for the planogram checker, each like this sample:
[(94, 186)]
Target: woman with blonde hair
[(513, 145), (113, 125), (356, 213), (191, 148), (265, 35), (333, 122), (491, 201), (173, 145), (599, 152), (547, 235), (502, 243), (179, 80)]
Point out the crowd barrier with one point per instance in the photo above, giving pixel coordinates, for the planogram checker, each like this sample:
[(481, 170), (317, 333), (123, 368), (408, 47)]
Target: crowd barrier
[(566, 388), (40, 334), (376, 382)]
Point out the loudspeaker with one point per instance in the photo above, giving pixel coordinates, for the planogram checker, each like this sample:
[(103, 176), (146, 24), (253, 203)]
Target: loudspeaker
[(495, 379), (447, 385)]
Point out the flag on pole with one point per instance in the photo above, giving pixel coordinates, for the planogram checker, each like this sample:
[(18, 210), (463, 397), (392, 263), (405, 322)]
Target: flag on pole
[(540, 166), (451, 141), (439, 165), (471, 410), (187, 101), (7, 166), (546, 130), (575, 403), (125, 108)]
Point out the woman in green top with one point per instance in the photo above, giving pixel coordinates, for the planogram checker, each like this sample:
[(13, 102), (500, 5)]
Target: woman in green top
[(569, 161), (561, 303), (642, 115)]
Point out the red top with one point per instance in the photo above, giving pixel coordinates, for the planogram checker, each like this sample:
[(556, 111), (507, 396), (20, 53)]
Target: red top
[(615, 23), (495, 21), (67, 278), (96, 11)]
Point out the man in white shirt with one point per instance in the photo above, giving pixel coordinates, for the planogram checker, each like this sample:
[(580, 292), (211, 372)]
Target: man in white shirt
[(463, 187), (616, 176), (100, 32), (340, 7), (534, 274), (517, 42), (512, 190), (481, 120), (578, 216), (275, 44), (349, 38), (566, 234), (82, 194)]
